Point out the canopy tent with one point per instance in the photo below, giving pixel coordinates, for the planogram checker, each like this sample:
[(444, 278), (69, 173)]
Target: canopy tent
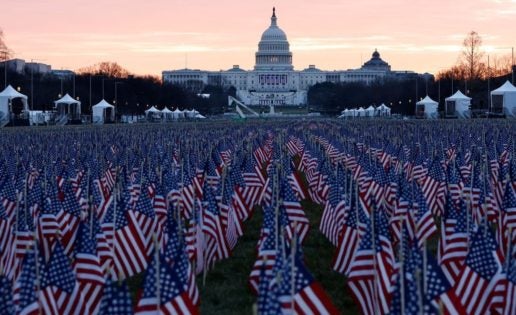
[(177, 113), (153, 114), (153, 110), (345, 113), (103, 112), (457, 105), (167, 113), (67, 105), (191, 113), (503, 100), (199, 116), (370, 111), (383, 110), (6, 97), (427, 108), (360, 112)]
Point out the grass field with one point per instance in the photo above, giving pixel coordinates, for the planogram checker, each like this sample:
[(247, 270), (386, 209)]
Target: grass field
[(226, 290)]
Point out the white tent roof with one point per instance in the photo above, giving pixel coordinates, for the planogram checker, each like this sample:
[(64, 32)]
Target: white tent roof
[(153, 110), (427, 101), (11, 93), (458, 96), (199, 116), (506, 87), (67, 99), (370, 108), (103, 104), (361, 109), (383, 106), (166, 110), (178, 111)]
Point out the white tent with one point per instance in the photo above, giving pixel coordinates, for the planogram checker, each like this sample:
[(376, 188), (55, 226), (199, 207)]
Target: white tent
[(167, 113), (153, 113), (102, 112), (457, 105), (191, 113), (199, 116), (383, 110), (370, 111), (178, 113), (344, 113), (360, 112), (427, 108), (503, 100), (67, 105), (6, 97)]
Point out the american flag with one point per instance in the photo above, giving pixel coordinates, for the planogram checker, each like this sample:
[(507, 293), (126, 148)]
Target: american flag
[(129, 244), (510, 296), (306, 296), (176, 256), (456, 243), (294, 211), (267, 251), (509, 206), (334, 213), (361, 276), (480, 275), (425, 225), (349, 239), (434, 188), (163, 292), (25, 294), (116, 299), (88, 269), (6, 298), (217, 247), (437, 290), (60, 287), (385, 260)]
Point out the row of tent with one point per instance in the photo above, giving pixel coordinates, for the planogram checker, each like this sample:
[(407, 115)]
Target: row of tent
[(101, 112), (371, 111), (503, 102), (168, 114)]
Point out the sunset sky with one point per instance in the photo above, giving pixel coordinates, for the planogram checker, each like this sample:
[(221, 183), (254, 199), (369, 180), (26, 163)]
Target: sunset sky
[(147, 37)]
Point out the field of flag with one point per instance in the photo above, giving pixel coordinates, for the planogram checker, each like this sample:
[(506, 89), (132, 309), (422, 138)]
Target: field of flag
[(419, 218)]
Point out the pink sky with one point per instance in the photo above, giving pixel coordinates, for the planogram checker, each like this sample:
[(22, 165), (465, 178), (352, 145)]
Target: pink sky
[(147, 37)]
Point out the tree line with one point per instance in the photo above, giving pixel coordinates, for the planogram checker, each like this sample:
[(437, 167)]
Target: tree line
[(131, 94)]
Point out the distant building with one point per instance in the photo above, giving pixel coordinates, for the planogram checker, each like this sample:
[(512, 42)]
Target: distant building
[(273, 81), (21, 66), (36, 67), (16, 65)]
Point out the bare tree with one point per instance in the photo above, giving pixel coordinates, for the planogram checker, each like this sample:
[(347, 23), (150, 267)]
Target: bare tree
[(106, 68), (500, 66), (4, 51), (472, 56)]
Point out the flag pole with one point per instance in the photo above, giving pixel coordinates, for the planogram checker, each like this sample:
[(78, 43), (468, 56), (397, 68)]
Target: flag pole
[(36, 263), (402, 270), (293, 270), (158, 288)]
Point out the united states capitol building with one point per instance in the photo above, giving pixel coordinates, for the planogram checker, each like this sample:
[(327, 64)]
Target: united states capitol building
[(273, 81)]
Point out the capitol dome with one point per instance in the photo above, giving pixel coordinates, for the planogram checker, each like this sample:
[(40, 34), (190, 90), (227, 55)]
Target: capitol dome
[(273, 48)]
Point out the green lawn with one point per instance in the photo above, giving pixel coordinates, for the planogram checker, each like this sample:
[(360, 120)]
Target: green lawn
[(226, 290)]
